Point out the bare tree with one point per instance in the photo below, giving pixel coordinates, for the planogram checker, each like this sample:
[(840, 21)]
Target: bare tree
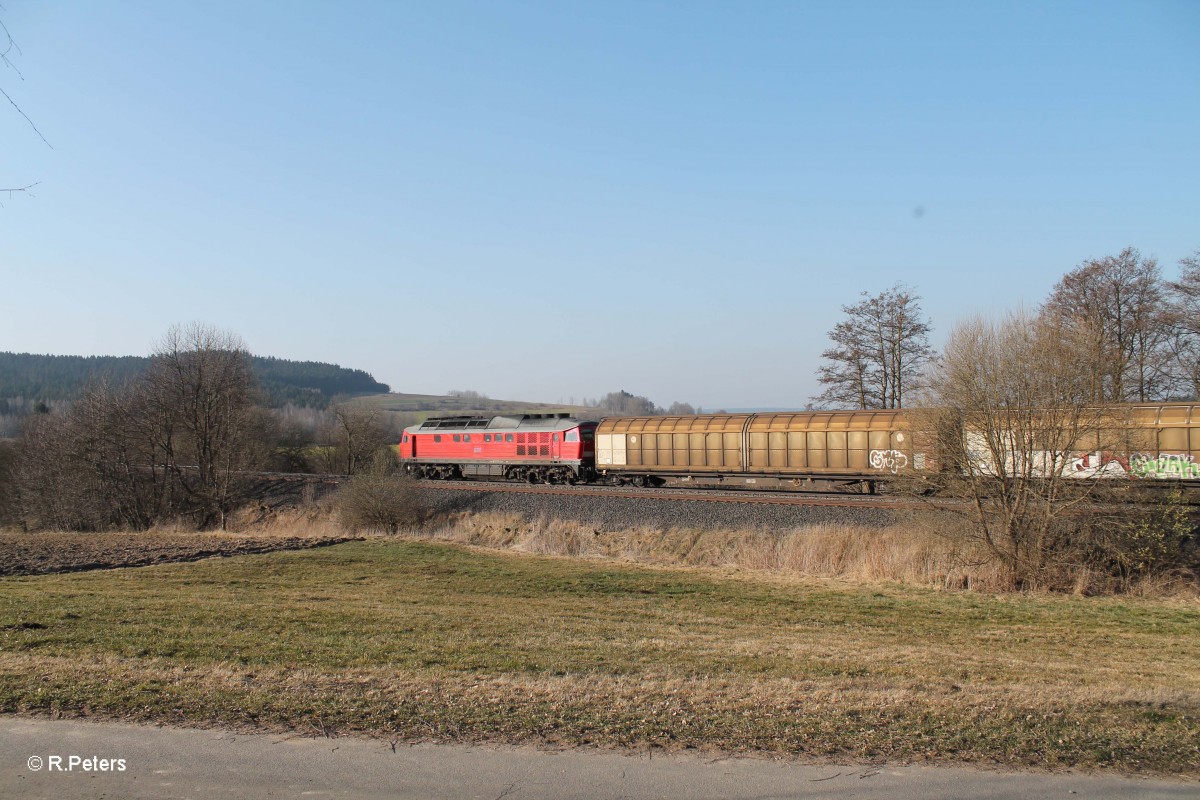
[(52, 492), (1184, 314), (10, 456), (847, 375), (678, 409), (87, 468), (360, 433), (113, 445), (175, 443), (1012, 407), (356, 433), (880, 352), (200, 389), (1117, 305)]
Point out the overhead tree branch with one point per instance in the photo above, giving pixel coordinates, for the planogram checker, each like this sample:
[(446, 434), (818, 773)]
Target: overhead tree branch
[(10, 44)]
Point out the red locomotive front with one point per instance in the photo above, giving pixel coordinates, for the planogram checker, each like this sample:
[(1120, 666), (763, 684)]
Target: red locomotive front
[(538, 448)]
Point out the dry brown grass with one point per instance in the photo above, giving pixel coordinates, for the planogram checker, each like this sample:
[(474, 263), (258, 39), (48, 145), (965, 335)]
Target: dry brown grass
[(428, 640), (906, 553), (315, 520), (920, 550)]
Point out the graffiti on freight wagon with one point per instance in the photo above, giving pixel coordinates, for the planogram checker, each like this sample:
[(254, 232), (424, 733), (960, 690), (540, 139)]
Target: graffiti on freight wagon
[(1178, 466), (1168, 465), (891, 460), (1138, 465)]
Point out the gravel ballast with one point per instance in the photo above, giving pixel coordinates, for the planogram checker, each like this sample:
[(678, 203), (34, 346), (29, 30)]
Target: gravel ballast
[(620, 513)]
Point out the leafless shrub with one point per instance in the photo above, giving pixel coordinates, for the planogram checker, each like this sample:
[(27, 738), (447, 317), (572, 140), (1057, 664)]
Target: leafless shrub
[(1154, 544), (1013, 403), (379, 499)]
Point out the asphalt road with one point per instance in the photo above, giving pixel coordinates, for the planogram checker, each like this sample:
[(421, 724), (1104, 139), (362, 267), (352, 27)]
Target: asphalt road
[(184, 763)]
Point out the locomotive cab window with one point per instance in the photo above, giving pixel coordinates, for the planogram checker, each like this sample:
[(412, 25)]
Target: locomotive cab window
[(555, 437), (405, 438), (572, 436)]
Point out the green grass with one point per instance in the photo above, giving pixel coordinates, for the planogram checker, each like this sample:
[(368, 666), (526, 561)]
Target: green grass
[(418, 640)]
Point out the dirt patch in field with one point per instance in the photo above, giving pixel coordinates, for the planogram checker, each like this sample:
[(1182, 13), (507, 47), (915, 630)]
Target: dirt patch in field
[(42, 553)]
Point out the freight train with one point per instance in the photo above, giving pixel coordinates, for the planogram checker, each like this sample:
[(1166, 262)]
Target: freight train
[(854, 451)]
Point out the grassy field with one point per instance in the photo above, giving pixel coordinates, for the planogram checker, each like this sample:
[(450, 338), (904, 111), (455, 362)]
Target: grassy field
[(417, 640)]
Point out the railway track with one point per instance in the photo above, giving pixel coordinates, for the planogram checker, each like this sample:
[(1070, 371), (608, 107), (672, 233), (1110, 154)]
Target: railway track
[(747, 497)]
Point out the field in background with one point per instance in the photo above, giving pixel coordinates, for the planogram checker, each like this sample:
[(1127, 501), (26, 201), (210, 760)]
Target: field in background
[(425, 640), (413, 408)]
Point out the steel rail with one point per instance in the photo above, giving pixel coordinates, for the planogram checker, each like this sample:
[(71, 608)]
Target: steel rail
[(745, 497), (698, 495)]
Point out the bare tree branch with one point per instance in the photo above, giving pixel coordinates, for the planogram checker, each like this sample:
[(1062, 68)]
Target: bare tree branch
[(27, 119), (20, 189), (9, 46), (24, 189)]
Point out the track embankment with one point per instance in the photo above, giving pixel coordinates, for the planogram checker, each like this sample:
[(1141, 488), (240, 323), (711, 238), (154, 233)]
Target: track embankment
[(613, 508)]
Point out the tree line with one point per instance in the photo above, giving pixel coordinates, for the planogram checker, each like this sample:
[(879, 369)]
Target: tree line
[(625, 404), (1140, 329), (179, 440), (1022, 413), (26, 376)]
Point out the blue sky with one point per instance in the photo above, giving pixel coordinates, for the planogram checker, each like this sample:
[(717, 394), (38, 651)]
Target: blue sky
[(557, 200)]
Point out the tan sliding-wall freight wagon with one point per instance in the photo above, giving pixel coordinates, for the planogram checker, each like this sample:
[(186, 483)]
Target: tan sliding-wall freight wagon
[(849, 450)]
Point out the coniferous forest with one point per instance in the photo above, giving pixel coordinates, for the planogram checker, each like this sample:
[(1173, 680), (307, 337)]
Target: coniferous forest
[(49, 378)]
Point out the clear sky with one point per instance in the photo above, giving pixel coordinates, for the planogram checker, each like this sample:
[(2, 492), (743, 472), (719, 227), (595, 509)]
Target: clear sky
[(561, 199)]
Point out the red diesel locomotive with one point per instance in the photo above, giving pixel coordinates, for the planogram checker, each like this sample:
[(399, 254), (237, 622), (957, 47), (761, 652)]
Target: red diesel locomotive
[(538, 448)]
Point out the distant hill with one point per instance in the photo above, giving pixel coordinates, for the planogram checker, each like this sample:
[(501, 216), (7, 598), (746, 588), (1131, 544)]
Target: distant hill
[(305, 383), (413, 408)]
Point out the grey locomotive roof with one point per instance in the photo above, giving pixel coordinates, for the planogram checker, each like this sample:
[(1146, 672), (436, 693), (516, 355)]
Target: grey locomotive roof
[(510, 422)]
